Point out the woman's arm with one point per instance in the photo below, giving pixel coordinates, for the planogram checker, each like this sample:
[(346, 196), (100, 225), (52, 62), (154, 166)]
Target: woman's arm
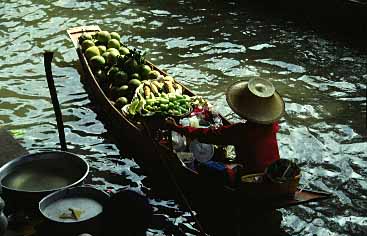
[(226, 135)]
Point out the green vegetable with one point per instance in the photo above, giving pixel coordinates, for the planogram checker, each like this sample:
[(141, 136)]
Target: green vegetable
[(164, 106), (171, 105), (140, 105), (163, 100), (148, 107), (178, 96), (176, 113), (150, 101), (164, 95), (133, 105)]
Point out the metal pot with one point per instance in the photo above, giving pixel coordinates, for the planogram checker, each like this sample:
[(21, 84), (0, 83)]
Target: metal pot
[(73, 211), (3, 219), (26, 180)]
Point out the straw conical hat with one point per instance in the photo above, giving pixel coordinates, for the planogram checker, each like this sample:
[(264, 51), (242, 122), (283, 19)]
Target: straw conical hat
[(256, 101)]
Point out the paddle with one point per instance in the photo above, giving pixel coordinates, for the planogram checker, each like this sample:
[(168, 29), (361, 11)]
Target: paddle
[(55, 102)]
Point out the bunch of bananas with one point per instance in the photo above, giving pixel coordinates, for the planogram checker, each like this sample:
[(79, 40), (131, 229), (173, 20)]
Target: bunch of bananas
[(162, 95), (154, 88)]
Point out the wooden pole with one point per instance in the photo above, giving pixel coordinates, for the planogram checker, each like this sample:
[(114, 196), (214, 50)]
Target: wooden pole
[(55, 102)]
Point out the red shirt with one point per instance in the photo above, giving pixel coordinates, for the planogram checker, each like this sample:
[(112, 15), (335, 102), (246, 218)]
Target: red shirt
[(255, 144)]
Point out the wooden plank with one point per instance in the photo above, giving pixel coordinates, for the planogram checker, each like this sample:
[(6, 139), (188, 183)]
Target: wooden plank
[(10, 148)]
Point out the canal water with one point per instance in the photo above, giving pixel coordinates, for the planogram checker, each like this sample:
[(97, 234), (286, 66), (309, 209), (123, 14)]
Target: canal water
[(207, 46)]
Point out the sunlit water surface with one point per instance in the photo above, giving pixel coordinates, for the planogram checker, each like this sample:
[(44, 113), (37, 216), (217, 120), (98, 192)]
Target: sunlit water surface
[(207, 47)]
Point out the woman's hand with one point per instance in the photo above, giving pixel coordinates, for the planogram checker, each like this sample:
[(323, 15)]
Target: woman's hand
[(170, 123)]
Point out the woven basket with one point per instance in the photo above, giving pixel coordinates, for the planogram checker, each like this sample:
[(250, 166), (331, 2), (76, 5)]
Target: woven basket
[(258, 186)]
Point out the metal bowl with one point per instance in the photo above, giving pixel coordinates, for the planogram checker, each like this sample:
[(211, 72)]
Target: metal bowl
[(58, 209), (25, 180)]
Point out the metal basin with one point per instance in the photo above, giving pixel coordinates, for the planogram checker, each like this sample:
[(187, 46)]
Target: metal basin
[(88, 201), (25, 180)]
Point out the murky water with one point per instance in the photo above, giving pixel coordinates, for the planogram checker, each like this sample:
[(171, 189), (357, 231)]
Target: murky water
[(207, 46)]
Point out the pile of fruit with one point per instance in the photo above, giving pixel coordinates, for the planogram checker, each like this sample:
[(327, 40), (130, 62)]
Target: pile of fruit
[(120, 68), (160, 96)]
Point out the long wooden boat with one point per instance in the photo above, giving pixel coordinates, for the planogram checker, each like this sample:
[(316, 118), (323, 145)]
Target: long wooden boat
[(156, 158)]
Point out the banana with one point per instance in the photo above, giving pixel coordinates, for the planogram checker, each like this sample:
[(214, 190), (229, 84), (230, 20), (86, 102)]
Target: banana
[(154, 88), (147, 91), (168, 78), (178, 89), (168, 86), (159, 85)]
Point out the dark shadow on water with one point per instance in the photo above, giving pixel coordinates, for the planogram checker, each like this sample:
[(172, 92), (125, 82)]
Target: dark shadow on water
[(337, 20), (222, 213), (231, 217)]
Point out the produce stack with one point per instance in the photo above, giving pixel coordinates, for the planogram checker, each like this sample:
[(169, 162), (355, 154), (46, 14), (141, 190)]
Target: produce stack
[(132, 83), (160, 96)]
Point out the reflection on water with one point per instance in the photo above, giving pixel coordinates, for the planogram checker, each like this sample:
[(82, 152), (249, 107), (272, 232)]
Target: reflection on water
[(206, 46)]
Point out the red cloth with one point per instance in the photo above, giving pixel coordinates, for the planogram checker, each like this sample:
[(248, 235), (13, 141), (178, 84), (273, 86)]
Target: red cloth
[(255, 144)]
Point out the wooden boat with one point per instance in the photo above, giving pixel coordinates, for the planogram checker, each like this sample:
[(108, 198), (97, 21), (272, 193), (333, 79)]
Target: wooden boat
[(157, 159)]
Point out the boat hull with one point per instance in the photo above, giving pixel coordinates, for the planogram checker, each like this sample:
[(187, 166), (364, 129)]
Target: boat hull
[(159, 162)]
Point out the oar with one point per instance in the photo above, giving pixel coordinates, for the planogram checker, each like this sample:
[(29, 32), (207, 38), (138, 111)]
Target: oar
[(55, 102)]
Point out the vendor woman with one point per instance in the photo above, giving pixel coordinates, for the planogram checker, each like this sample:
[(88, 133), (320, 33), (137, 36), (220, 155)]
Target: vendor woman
[(254, 140)]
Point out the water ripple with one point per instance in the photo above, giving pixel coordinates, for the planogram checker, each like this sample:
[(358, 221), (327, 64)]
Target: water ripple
[(207, 47)]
